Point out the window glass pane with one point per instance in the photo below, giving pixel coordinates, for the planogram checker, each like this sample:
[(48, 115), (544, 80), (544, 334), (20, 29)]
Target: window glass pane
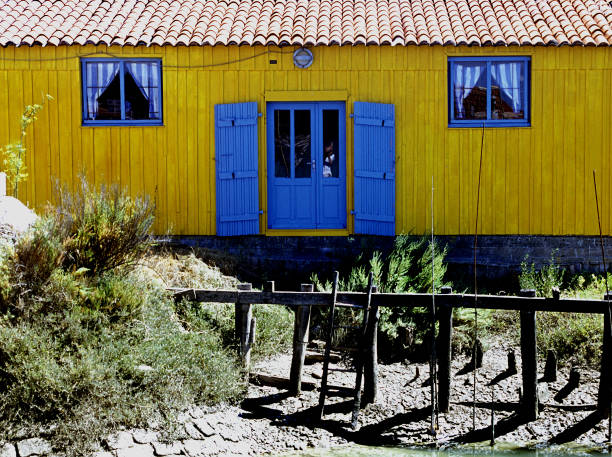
[(302, 143), (470, 90), (102, 91), (282, 143), (507, 90), (330, 143), (142, 90)]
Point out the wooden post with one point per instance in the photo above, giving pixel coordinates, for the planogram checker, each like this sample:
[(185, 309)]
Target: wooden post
[(445, 316), (300, 341), (605, 380), (370, 363), (244, 316), (529, 402)]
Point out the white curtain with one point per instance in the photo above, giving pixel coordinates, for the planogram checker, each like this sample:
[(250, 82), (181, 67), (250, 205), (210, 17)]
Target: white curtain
[(99, 76), (508, 77), (146, 76), (466, 77)]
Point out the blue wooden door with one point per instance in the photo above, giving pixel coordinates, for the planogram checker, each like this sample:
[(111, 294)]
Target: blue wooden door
[(374, 185), (236, 157), (306, 165)]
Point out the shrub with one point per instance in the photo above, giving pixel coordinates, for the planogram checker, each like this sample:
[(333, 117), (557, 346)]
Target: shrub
[(86, 373), (408, 268), (102, 229), (576, 338), (543, 281)]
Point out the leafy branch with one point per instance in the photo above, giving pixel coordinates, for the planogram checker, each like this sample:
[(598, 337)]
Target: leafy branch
[(14, 153)]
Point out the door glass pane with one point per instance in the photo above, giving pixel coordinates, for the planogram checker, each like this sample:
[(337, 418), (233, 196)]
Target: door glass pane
[(507, 90), (282, 143), (330, 143), (302, 143), (470, 90)]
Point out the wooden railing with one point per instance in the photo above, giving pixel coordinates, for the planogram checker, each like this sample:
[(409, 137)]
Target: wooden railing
[(527, 304)]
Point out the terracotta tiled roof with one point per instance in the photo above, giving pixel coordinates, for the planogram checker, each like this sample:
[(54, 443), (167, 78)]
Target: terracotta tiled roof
[(306, 22)]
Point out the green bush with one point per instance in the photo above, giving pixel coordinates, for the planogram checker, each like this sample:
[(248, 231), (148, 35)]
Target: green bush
[(576, 338), (102, 229), (86, 372), (274, 331), (408, 268), (543, 281)]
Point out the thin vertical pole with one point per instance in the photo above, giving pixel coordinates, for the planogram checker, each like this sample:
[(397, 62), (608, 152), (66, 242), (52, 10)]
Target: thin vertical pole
[(476, 282), (432, 361), (605, 397)]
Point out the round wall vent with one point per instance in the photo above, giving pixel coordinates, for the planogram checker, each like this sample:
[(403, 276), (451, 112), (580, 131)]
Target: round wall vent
[(302, 58)]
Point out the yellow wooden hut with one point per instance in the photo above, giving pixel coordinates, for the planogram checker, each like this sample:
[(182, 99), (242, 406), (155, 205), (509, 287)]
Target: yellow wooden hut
[(320, 117)]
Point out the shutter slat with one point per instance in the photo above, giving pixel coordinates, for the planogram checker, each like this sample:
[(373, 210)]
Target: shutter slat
[(374, 168), (236, 158)]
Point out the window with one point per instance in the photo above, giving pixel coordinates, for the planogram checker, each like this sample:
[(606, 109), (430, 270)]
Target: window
[(489, 90), (121, 91)]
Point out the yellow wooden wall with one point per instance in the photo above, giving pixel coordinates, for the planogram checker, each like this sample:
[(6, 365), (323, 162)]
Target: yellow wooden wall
[(535, 180)]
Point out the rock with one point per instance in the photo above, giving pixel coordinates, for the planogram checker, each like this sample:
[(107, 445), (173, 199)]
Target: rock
[(33, 446), (167, 449), (140, 450), (120, 440), (193, 432), (197, 447), (142, 436), (15, 214), (8, 450), (204, 427)]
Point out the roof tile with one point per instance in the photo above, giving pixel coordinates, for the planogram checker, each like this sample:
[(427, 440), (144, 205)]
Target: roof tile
[(306, 22)]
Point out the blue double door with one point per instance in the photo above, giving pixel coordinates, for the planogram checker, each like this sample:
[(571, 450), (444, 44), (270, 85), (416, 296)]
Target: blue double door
[(306, 165)]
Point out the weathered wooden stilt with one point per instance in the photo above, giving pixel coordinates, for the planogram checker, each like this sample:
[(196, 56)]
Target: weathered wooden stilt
[(360, 355), (550, 369), (300, 341), (370, 365), (328, 345), (445, 317), (511, 363), (244, 317), (529, 401)]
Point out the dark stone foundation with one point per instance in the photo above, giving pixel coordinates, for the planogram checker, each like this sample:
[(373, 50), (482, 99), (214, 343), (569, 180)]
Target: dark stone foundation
[(289, 260)]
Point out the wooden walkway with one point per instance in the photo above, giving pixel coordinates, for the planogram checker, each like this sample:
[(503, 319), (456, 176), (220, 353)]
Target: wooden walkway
[(527, 304)]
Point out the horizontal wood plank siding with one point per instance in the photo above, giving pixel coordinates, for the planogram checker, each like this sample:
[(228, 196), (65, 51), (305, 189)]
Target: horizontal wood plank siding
[(535, 180)]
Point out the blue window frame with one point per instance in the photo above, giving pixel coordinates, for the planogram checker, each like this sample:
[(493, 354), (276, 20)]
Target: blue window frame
[(121, 91), (490, 90)]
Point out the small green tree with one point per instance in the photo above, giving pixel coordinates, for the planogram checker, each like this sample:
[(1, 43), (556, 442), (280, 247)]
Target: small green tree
[(14, 153)]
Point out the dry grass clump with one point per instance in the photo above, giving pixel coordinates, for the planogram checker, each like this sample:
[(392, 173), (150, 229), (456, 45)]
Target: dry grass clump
[(184, 270)]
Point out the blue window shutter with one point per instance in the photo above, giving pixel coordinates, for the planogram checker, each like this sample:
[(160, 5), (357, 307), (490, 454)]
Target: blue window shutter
[(374, 185), (236, 157)]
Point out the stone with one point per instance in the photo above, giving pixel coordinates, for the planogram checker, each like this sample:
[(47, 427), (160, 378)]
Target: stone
[(16, 214), (120, 440), (8, 450), (139, 450), (142, 436), (33, 446), (167, 449), (197, 447), (204, 427), (193, 432)]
